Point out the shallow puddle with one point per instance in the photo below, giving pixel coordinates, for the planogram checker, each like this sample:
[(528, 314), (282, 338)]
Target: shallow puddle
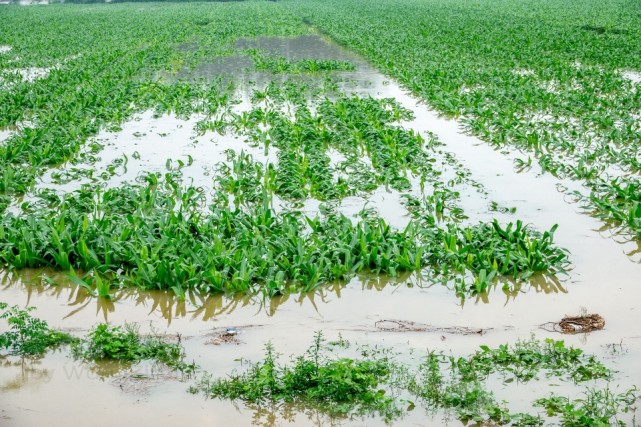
[(604, 280), (225, 67), (297, 48), (150, 144)]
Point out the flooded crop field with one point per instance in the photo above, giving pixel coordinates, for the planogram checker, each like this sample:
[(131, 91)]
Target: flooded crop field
[(305, 212)]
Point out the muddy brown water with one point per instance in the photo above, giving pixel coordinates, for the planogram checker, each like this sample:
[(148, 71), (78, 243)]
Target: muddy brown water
[(58, 391)]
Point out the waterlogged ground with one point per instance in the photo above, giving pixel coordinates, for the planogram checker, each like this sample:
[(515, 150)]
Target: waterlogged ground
[(365, 310)]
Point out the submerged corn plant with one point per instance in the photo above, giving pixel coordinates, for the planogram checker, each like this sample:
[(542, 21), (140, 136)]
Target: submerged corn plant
[(234, 237), (160, 236), (559, 81)]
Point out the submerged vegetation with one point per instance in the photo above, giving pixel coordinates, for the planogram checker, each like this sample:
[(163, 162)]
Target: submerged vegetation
[(378, 383), (342, 381), (556, 80), (159, 244), (247, 231), (165, 235), (336, 386), (32, 337), (294, 174)]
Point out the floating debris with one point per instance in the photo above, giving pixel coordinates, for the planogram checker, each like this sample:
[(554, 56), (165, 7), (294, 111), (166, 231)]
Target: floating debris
[(576, 324), (227, 336), (409, 326)]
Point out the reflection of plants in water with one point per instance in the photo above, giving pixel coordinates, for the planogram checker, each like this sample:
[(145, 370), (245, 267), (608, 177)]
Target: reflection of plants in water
[(205, 306), (29, 372), (273, 414)]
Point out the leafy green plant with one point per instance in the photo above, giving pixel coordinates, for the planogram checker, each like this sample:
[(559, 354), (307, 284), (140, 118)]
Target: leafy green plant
[(464, 390), (28, 335), (569, 99), (125, 344), (599, 407), (337, 386)]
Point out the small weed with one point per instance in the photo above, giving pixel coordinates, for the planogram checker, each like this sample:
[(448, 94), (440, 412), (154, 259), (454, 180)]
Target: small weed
[(125, 344), (599, 407), (336, 386), (28, 335)]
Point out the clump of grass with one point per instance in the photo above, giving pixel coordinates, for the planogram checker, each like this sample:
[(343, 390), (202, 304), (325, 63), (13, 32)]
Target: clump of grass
[(461, 388), (378, 383), (526, 359), (599, 407), (337, 386), (27, 335), (125, 344)]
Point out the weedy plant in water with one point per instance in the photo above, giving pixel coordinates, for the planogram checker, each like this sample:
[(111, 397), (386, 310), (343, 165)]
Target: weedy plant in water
[(28, 335), (598, 407), (336, 386), (377, 383), (125, 344)]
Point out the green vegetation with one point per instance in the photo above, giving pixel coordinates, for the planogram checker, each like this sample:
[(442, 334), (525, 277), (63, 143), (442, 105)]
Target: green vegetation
[(30, 336), (464, 390), (162, 234), (379, 383), (339, 386), (549, 78), (283, 65), (374, 383), (111, 79), (162, 244), (27, 335), (128, 346), (597, 408), (124, 344)]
